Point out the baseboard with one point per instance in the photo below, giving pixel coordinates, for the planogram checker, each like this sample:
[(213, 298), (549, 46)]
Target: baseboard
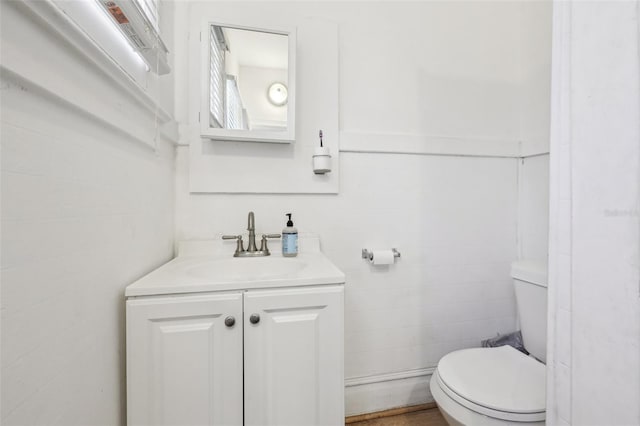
[(389, 413), (387, 391)]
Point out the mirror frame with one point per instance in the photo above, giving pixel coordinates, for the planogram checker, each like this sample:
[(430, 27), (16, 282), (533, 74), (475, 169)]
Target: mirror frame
[(216, 133)]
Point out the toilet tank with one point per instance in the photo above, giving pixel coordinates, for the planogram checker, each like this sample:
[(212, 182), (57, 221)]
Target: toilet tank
[(530, 281)]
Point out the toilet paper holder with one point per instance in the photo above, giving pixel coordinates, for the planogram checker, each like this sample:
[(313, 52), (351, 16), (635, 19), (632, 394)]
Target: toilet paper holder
[(366, 254)]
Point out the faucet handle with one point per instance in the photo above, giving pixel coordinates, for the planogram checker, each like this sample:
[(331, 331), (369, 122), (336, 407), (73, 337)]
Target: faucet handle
[(263, 243), (239, 246), (265, 236)]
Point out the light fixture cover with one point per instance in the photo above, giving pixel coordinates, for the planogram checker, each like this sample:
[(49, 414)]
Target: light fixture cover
[(132, 18), (278, 94)]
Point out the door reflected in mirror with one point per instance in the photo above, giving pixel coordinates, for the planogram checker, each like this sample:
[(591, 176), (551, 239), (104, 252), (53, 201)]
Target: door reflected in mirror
[(248, 79)]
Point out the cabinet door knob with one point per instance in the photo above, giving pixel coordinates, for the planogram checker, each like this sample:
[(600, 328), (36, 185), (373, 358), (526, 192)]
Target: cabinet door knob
[(254, 318), (229, 321)]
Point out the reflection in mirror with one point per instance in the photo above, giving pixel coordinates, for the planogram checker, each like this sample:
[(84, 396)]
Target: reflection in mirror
[(248, 78)]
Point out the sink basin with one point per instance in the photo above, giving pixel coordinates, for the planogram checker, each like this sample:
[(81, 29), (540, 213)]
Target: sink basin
[(246, 269), (204, 266)]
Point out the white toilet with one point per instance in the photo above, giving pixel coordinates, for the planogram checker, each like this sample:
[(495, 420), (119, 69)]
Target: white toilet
[(501, 386)]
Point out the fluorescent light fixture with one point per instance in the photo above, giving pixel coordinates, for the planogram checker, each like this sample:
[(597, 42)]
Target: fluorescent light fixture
[(116, 36), (134, 20)]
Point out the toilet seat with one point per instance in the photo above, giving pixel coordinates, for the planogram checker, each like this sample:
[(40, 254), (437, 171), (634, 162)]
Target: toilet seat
[(501, 382)]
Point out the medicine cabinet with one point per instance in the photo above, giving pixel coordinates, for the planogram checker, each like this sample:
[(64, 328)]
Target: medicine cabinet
[(248, 83)]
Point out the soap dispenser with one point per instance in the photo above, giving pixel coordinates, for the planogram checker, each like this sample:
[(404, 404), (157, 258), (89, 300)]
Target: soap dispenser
[(289, 239)]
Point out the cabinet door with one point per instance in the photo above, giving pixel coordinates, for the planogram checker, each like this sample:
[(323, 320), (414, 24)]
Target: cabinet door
[(294, 369), (184, 365)]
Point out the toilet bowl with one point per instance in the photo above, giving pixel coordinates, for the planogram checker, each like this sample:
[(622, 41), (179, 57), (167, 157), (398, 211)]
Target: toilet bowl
[(490, 386), (500, 386)]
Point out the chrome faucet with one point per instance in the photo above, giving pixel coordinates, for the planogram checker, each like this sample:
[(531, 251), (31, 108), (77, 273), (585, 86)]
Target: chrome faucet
[(251, 227), (252, 249)]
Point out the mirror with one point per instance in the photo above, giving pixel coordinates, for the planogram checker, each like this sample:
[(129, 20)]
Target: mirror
[(248, 84)]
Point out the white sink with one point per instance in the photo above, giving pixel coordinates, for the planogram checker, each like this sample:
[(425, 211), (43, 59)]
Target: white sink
[(204, 266), (247, 268)]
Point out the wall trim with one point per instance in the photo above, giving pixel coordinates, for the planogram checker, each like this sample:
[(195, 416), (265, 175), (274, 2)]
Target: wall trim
[(22, 81), (528, 150), (427, 145), (386, 377), (533, 155), (416, 144), (386, 391)]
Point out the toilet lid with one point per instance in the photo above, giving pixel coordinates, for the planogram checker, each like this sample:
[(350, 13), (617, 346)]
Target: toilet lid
[(501, 378)]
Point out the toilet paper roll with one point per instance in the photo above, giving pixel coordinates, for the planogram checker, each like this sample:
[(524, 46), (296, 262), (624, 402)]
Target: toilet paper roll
[(383, 257)]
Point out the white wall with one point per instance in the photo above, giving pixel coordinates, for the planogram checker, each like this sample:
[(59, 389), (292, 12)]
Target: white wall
[(454, 221), (533, 208), (86, 209), (594, 306), (533, 178), (420, 70), (535, 63), (430, 68)]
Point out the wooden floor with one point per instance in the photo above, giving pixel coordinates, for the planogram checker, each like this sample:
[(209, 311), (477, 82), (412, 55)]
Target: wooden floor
[(426, 415)]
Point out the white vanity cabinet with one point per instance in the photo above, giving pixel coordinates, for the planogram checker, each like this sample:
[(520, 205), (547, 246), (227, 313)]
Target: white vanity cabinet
[(184, 365), (293, 357), (279, 363)]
